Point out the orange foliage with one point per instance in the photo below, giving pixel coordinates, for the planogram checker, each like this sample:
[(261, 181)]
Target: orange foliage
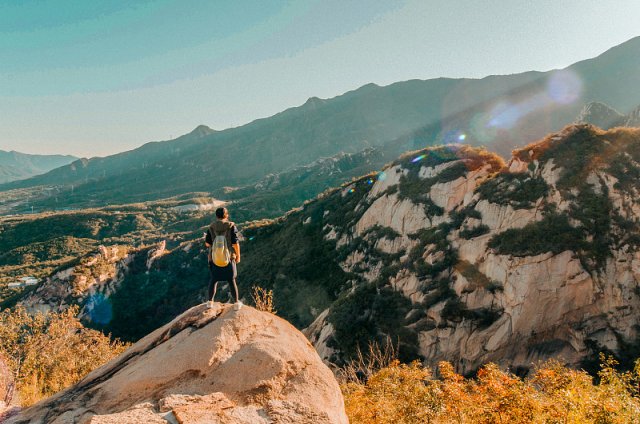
[(403, 393), (49, 352)]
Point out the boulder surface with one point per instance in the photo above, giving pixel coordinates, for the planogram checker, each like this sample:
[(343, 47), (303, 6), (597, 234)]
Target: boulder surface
[(206, 366)]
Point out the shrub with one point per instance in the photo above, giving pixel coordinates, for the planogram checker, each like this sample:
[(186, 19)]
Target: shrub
[(49, 352), (372, 314), (469, 233), (263, 299), (519, 190), (553, 234), (409, 393)]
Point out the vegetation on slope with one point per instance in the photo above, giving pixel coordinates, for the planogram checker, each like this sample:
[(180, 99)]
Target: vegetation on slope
[(410, 393), (519, 190), (49, 352)]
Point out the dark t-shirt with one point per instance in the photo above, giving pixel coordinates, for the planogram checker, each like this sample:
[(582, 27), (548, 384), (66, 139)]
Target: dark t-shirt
[(232, 235)]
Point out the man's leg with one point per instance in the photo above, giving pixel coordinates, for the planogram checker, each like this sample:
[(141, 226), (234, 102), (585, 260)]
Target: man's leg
[(213, 285), (234, 290)]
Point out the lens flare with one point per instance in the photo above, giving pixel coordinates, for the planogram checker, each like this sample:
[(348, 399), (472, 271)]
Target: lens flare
[(462, 137), (382, 176), (99, 309), (564, 87), (506, 115), (351, 190), (418, 158)]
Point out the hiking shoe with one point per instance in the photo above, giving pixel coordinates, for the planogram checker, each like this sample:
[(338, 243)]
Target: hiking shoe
[(237, 306)]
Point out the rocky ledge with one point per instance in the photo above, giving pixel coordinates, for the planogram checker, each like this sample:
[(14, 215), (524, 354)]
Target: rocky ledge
[(206, 366)]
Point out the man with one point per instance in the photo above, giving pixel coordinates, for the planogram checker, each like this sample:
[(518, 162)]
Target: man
[(222, 226)]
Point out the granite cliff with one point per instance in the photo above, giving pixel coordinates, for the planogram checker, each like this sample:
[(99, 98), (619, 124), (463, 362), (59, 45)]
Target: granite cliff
[(455, 255)]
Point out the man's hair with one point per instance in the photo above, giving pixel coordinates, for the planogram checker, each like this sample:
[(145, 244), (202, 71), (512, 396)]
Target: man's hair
[(222, 213)]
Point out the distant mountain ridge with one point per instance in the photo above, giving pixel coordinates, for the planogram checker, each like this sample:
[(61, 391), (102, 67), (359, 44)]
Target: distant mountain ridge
[(500, 112), (18, 166), (605, 117)]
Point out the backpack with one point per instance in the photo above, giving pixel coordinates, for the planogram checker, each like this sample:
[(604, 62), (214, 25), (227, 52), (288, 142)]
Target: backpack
[(219, 251)]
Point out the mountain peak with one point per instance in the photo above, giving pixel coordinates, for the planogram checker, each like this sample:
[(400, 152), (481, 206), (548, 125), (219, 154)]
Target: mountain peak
[(314, 102), (202, 130)]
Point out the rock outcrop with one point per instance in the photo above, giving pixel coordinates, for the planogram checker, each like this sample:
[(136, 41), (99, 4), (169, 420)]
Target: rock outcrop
[(95, 276), (601, 115), (606, 117), (538, 260), (207, 366), (633, 118)]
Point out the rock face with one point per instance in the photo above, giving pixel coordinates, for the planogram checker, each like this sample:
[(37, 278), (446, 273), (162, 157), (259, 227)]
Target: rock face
[(538, 260), (207, 366), (633, 119), (97, 275), (606, 117), (601, 115)]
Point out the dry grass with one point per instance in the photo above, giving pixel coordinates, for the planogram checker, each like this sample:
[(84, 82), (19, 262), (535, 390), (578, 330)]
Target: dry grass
[(263, 299), (366, 364)]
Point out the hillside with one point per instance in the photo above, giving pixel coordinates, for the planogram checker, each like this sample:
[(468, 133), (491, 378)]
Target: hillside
[(501, 112), (19, 166)]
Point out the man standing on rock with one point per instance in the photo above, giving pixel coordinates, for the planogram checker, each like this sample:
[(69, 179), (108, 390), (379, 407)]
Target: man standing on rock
[(221, 234)]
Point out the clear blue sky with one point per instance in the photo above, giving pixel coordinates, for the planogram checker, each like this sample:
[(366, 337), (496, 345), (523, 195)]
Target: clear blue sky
[(92, 78)]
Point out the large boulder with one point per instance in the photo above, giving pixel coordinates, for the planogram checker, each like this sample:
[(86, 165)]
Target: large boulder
[(207, 366)]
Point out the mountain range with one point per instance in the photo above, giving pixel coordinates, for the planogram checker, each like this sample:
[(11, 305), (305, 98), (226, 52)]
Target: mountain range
[(500, 112), (19, 166)]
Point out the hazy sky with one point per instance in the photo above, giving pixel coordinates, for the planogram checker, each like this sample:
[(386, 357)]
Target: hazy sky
[(92, 78)]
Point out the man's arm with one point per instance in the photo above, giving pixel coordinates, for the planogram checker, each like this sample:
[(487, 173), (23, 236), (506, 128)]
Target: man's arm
[(236, 249), (235, 245), (207, 239)]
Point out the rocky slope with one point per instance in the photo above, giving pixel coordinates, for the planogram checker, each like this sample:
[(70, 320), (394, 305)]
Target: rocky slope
[(458, 256), (633, 118), (91, 282), (208, 365), (600, 115), (604, 116)]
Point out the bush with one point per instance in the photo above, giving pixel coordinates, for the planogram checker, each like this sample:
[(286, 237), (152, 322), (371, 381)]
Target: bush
[(519, 190), (263, 299), (372, 314), (48, 353), (409, 393), (469, 233), (553, 234)]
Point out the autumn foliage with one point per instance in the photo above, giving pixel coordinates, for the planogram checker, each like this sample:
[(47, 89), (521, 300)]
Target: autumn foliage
[(49, 352), (410, 393)]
